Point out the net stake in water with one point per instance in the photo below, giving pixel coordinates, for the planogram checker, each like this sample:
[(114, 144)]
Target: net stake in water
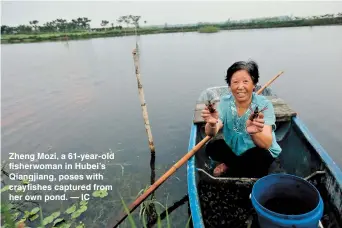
[(142, 100)]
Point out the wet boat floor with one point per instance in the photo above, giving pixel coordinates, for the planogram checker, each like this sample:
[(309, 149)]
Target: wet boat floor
[(226, 204)]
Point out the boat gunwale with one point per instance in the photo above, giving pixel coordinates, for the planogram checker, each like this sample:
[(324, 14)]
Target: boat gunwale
[(195, 207)]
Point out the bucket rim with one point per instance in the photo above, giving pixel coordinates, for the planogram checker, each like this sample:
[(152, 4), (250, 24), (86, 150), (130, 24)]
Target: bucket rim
[(285, 215)]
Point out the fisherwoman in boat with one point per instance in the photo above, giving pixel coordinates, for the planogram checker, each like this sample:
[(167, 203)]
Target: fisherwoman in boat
[(249, 146)]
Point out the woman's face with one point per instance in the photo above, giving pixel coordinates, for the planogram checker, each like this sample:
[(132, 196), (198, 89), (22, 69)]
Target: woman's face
[(241, 85)]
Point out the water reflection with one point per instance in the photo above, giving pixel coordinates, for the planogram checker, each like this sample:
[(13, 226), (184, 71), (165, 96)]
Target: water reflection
[(169, 210), (151, 211)]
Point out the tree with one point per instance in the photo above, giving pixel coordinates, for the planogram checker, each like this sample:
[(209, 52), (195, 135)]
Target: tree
[(60, 24), (104, 23), (75, 24), (127, 20), (34, 24), (124, 19), (85, 23), (48, 27), (6, 29), (80, 22), (135, 22), (24, 29), (120, 20)]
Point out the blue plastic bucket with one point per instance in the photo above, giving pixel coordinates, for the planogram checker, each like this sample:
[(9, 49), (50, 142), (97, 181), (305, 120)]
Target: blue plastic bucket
[(283, 200)]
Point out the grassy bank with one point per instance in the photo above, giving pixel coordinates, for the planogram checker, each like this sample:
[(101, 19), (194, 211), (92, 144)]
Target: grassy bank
[(209, 29), (205, 28)]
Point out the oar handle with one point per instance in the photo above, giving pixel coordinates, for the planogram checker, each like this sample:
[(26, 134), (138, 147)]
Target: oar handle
[(269, 82)]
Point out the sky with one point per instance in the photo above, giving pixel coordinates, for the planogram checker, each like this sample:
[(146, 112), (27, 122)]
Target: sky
[(159, 12)]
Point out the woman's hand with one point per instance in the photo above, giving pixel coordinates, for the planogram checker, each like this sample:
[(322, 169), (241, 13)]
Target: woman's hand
[(211, 118), (255, 126)]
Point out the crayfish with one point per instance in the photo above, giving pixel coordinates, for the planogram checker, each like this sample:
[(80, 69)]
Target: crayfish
[(256, 112), (210, 106)]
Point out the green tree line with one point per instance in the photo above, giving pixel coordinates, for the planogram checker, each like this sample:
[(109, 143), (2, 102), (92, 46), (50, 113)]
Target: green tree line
[(75, 25), (82, 24), (79, 28)]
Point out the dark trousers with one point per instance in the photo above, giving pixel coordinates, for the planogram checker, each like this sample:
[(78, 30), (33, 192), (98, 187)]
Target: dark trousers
[(255, 162)]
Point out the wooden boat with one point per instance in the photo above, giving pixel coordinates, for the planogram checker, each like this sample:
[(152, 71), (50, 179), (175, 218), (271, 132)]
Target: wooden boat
[(224, 201)]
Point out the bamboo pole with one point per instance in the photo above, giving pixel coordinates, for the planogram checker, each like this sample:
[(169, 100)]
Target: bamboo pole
[(151, 210), (171, 171), (142, 100), (270, 81)]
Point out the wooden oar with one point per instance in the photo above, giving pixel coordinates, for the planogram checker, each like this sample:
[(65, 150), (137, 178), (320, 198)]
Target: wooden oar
[(269, 82), (172, 170)]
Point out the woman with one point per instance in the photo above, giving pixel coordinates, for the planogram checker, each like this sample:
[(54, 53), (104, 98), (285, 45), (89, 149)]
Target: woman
[(249, 146)]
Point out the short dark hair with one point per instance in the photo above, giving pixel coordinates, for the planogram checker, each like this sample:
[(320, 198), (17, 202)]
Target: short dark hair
[(251, 67)]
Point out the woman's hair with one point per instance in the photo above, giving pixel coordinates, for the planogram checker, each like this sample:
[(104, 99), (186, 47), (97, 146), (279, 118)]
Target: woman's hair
[(251, 67)]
